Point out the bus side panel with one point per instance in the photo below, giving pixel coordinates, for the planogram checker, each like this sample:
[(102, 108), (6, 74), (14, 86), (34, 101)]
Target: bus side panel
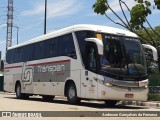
[(27, 88), (8, 83), (50, 88), (12, 74), (89, 86), (39, 88), (71, 72)]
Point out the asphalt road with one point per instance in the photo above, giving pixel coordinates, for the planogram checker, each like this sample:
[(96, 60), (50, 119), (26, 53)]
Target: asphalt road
[(8, 102)]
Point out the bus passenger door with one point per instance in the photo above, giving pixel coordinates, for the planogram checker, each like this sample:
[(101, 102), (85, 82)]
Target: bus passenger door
[(89, 81)]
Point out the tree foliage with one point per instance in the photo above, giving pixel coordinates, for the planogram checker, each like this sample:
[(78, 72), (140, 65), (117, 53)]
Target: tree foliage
[(138, 17), (156, 39), (100, 7)]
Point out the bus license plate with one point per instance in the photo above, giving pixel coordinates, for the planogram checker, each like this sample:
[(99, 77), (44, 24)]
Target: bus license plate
[(129, 95)]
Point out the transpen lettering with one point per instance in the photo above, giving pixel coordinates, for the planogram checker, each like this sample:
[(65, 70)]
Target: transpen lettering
[(52, 68)]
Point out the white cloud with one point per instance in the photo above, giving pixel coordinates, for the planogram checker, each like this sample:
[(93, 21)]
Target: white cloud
[(56, 8), (31, 26), (91, 15), (114, 4), (119, 21), (156, 12), (2, 42), (3, 25)]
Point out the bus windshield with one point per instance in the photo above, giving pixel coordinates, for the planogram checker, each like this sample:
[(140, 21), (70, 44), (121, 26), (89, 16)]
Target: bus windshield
[(123, 56)]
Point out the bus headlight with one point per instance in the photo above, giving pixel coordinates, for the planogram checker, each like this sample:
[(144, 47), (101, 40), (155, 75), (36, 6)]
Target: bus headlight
[(146, 86), (109, 84)]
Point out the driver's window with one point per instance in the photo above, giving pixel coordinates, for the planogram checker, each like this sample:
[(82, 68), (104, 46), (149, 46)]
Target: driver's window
[(91, 57)]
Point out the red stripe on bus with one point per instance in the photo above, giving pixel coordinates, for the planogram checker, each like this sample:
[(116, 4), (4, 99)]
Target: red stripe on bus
[(12, 67), (49, 63), (39, 64)]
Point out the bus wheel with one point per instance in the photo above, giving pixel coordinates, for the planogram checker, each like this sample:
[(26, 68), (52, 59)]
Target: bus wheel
[(18, 91), (72, 94), (19, 94), (111, 103), (47, 98)]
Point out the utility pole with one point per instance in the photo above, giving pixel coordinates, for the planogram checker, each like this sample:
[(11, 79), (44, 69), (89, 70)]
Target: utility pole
[(9, 24), (17, 33), (45, 17)]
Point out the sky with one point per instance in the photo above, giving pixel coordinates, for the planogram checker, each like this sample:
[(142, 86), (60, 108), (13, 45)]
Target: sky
[(29, 17)]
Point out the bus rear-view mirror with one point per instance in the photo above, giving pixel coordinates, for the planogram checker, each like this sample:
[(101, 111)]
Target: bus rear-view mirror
[(153, 49), (99, 44)]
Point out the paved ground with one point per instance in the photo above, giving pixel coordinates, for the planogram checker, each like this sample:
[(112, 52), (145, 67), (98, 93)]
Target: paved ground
[(8, 102)]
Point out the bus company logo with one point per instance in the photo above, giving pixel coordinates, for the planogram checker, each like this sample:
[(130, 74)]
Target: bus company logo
[(6, 114), (27, 76), (52, 68)]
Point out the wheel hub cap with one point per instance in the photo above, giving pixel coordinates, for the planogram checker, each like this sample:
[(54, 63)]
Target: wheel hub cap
[(71, 93)]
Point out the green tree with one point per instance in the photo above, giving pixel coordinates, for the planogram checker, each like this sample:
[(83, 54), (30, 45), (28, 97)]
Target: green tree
[(156, 38), (138, 17)]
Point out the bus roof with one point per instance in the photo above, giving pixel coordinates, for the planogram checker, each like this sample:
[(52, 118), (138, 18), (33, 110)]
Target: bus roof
[(80, 27)]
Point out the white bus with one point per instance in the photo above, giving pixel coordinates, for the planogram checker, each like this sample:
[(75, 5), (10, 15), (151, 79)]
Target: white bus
[(79, 62)]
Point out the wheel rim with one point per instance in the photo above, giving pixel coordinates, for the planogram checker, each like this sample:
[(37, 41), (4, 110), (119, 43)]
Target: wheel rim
[(71, 93), (18, 90)]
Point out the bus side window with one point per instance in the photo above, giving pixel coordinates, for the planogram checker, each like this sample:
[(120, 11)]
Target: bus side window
[(39, 50), (17, 55), (51, 48), (9, 56), (27, 53), (67, 46)]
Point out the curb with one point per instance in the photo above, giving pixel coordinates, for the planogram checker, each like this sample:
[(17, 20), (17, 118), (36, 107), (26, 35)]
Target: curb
[(142, 103)]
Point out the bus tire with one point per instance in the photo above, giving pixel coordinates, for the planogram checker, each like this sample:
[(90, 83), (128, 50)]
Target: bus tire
[(19, 94), (110, 103), (47, 98), (72, 94)]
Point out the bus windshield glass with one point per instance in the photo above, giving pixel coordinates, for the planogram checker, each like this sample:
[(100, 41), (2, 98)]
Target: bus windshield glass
[(123, 56)]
